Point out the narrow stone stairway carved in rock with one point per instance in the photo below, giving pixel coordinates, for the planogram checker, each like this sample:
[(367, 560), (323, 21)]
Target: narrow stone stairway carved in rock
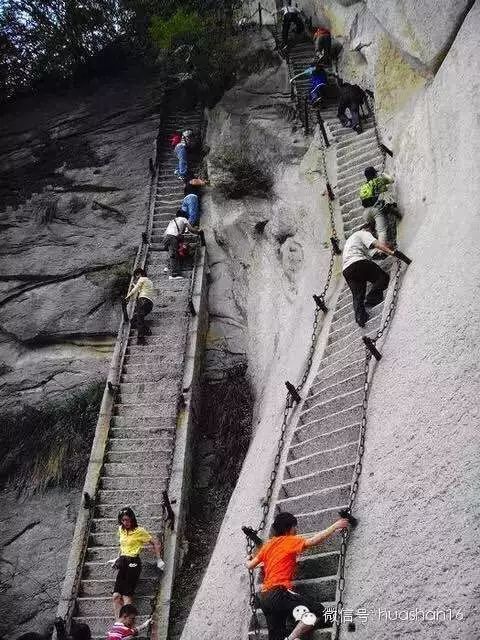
[(322, 452), (142, 433)]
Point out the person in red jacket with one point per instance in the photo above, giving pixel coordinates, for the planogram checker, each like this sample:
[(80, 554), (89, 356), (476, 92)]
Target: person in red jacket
[(277, 599), (322, 39)]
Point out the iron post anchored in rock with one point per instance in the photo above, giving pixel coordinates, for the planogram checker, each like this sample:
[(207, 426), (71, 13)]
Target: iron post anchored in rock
[(125, 311), (320, 302), (168, 511), (369, 343), (144, 237), (293, 392), (331, 195)]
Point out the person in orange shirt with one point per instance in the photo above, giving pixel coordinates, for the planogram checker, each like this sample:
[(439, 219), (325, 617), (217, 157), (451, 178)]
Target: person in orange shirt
[(277, 599)]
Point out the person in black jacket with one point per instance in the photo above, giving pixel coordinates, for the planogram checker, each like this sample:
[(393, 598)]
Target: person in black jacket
[(351, 97)]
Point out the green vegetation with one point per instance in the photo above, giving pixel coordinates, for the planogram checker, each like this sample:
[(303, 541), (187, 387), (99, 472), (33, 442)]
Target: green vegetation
[(239, 175), (121, 279), (49, 43), (50, 445)]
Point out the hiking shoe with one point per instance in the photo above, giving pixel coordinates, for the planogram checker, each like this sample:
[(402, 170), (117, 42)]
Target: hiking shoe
[(361, 319), (176, 278), (166, 269), (141, 340)]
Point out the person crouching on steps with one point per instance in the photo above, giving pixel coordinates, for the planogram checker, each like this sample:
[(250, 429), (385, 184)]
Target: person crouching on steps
[(125, 627), (132, 539), (145, 289), (173, 234), (277, 599)]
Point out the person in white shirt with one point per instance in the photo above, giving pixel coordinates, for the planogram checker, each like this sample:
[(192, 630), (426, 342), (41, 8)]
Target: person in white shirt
[(175, 229), (146, 293), (359, 268), (291, 15)]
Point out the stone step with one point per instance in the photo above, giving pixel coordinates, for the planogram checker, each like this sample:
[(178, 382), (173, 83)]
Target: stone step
[(329, 440), (118, 445), (356, 172), (96, 588), (164, 422), (317, 564), (315, 500), (152, 410), (350, 370), (347, 324), (150, 468), (142, 494), (349, 342), (110, 525), (329, 407), (156, 482), (322, 460), (320, 520), (332, 366), (142, 510), (342, 418), (315, 480), (351, 150), (320, 589), (158, 395), (140, 433), (346, 385), (156, 456), (102, 605), (364, 157), (352, 179)]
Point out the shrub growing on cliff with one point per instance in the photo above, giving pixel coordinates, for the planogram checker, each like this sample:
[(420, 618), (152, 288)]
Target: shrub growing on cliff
[(49, 445), (240, 175)]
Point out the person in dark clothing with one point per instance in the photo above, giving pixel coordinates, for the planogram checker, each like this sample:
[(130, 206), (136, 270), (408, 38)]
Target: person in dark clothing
[(318, 81), (351, 97), (145, 290), (322, 39), (291, 15)]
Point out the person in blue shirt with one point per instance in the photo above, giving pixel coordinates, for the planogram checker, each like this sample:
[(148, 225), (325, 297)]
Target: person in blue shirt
[(318, 79)]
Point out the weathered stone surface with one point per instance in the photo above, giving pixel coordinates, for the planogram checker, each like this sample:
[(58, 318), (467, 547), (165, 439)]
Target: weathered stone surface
[(34, 541), (64, 258)]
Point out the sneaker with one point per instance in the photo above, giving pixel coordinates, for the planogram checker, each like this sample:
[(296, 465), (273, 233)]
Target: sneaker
[(361, 319), (176, 278), (166, 269), (141, 340)]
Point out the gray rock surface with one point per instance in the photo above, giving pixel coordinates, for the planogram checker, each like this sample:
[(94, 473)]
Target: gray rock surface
[(34, 543), (417, 544), (65, 257)]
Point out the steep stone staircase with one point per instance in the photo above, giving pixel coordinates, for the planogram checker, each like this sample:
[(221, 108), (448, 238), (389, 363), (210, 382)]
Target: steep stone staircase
[(321, 456), (142, 432)]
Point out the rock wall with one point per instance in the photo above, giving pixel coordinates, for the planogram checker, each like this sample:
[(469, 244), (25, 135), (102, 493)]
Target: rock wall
[(74, 189), (415, 546)]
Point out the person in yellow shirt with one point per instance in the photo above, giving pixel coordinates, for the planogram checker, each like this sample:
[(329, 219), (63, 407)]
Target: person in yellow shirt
[(146, 292), (132, 539)]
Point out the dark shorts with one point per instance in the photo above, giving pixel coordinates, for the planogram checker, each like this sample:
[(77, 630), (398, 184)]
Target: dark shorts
[(129, 569), (278, 605)]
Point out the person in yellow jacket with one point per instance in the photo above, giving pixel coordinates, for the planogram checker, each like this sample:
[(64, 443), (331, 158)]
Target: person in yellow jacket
[(381, 210), (132, 539), (146, 292)]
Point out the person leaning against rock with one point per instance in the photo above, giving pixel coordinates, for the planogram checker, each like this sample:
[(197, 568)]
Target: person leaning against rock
[(146, 292)]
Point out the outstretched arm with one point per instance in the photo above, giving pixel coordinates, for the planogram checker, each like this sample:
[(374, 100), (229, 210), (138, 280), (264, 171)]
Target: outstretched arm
[(133, 290), (254, 562), (299, 75), (383, 247), (318, 538)]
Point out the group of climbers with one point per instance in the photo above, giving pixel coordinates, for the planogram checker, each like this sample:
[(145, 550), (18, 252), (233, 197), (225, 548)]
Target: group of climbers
[(186, 218)]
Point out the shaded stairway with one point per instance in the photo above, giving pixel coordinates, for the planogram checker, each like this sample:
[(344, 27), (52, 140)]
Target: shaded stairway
[(141, 438)]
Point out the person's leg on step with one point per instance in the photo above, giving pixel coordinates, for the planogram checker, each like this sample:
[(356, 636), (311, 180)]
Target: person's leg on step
[(275, 616), (173, 256), (304, 626), (381, 223), (355, 118), (357, 282), (379, 279), (140, 319), (286, 27)]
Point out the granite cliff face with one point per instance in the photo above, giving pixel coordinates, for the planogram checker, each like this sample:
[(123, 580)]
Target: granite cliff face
[(74, 191), (415, 546), (74, 187)]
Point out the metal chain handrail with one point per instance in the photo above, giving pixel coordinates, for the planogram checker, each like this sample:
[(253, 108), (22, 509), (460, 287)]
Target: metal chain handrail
[(361, 449)]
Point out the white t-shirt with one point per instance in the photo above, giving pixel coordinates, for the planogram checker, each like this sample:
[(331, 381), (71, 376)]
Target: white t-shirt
[(357, 247), (176, 227), (286, 10)]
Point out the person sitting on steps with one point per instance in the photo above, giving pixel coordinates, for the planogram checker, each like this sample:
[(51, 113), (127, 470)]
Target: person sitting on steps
[(291, 15), (146, 293), (277, 599), (318, 80), (173, 233), (381, 210)]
